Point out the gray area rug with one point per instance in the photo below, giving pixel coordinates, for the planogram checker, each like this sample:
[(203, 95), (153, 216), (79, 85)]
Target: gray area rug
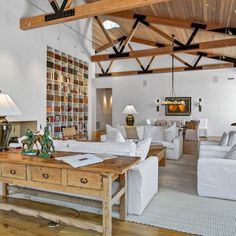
[(176, 206)]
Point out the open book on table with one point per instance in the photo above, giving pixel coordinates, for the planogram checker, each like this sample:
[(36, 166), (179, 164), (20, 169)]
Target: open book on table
[(84, 159)]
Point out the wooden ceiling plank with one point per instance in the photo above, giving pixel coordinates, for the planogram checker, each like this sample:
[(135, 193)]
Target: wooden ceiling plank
[(178, 23), (169, 70), (97, 8), (168, 50)]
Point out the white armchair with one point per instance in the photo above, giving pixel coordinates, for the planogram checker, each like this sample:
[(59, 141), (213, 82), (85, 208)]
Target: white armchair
[(216, 176)]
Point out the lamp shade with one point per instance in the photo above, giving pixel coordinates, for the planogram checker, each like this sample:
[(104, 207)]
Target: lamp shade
[(7, 106), (129, 110)]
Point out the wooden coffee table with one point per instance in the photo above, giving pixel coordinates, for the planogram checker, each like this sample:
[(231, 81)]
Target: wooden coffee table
[(159, 151)]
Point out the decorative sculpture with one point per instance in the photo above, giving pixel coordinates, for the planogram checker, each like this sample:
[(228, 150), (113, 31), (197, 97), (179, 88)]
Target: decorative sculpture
[(29, 144), (47, 147)]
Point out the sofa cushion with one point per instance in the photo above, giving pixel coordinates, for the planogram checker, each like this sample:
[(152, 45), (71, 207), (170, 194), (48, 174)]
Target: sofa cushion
[(224, 139), (169, 133), (142, 148), (140, 131), (153, 132), (114, 136), (121, 129), (232, 138)]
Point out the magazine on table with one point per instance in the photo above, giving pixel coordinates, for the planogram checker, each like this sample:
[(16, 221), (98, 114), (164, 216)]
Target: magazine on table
[(80, 160)]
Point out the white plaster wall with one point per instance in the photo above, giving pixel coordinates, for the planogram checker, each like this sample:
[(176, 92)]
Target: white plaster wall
[(219, 99), (23, 56)]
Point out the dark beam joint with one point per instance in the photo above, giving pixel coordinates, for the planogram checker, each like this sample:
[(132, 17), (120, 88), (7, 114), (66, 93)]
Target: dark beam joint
[(104, 75), (126, 54), (197, 61), (145, 72), (192, 36), (55, 6), (63, 5), (140, 17), (186, 47), (160, 45), (228, 30), (199, 26)]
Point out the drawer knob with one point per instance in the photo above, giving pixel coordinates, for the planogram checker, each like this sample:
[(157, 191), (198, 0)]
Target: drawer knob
[(45, 176), (13, 172), (83, 180)]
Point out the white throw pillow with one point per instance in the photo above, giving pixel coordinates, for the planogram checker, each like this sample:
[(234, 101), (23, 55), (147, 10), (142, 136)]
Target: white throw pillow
[(232, 138), (224, 139), (142, 148), (109, 128), (169, 133), (121, 129), (153, 132), (115, 136), (140, 132), (232, 153)]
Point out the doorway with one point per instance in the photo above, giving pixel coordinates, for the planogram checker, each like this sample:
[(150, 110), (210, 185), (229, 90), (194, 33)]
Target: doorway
[(103, 109)]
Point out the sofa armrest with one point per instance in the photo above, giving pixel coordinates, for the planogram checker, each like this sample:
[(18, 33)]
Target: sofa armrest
[(212, 154), (142, 184), (103, 138), (216, 178), (216, 148), (209, 143)]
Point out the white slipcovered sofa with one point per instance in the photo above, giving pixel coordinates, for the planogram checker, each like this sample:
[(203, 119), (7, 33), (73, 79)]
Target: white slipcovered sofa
[(142, 179), (169, 137), (216, 174)]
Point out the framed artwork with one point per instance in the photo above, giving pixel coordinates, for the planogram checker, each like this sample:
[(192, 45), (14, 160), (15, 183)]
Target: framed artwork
[(178, 110)]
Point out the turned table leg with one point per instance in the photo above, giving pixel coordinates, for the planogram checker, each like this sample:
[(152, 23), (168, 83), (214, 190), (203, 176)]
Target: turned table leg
[(107, 205)]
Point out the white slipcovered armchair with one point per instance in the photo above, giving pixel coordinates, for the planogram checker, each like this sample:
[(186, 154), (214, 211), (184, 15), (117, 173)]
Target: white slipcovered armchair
[(216, 176)]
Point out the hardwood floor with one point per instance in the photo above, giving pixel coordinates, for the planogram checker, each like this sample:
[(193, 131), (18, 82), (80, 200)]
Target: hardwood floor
[(12, 224)]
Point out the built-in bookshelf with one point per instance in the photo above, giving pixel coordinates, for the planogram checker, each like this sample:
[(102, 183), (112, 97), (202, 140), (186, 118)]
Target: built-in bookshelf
[(67, 93)]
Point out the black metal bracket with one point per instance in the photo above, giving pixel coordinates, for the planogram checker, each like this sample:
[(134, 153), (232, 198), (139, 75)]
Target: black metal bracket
[(197, 61), (192, 36), (59, 12)]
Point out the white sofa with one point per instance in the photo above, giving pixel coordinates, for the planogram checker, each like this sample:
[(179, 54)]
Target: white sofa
[(168, 137), (142, 179), (216, 176)]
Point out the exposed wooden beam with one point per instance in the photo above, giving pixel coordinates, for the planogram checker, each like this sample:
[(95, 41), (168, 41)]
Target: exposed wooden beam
[(97, 8), (137, 59), (168, 70), (181, 60), (178, 23), (106, 33), (167, 50), (68, 4), (108, 45), (147, 42), (129, 37)]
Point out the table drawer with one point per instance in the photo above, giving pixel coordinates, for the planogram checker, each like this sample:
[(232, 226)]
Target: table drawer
[(16, 171), (47, 175), (84, 179)]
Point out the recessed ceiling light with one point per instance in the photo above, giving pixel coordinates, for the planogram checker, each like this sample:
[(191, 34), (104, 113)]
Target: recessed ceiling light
[(207, 5), (235, 11), (108, 24)]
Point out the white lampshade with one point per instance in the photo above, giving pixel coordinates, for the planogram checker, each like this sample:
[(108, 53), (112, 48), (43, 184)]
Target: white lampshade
[(129, 110), (7, 106)]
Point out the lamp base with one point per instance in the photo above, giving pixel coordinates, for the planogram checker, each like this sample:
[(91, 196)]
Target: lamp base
[(130, 120), (5, 131)]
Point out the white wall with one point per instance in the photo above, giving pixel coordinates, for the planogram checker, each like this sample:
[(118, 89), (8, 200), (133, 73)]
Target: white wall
[(219, 99), (23, 55)]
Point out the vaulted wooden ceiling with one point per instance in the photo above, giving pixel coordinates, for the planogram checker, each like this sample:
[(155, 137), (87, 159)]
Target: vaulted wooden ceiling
[(222, 12)]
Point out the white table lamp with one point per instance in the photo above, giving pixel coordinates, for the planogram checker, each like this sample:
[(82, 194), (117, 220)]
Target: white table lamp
[(130, 111), (7, 107)]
